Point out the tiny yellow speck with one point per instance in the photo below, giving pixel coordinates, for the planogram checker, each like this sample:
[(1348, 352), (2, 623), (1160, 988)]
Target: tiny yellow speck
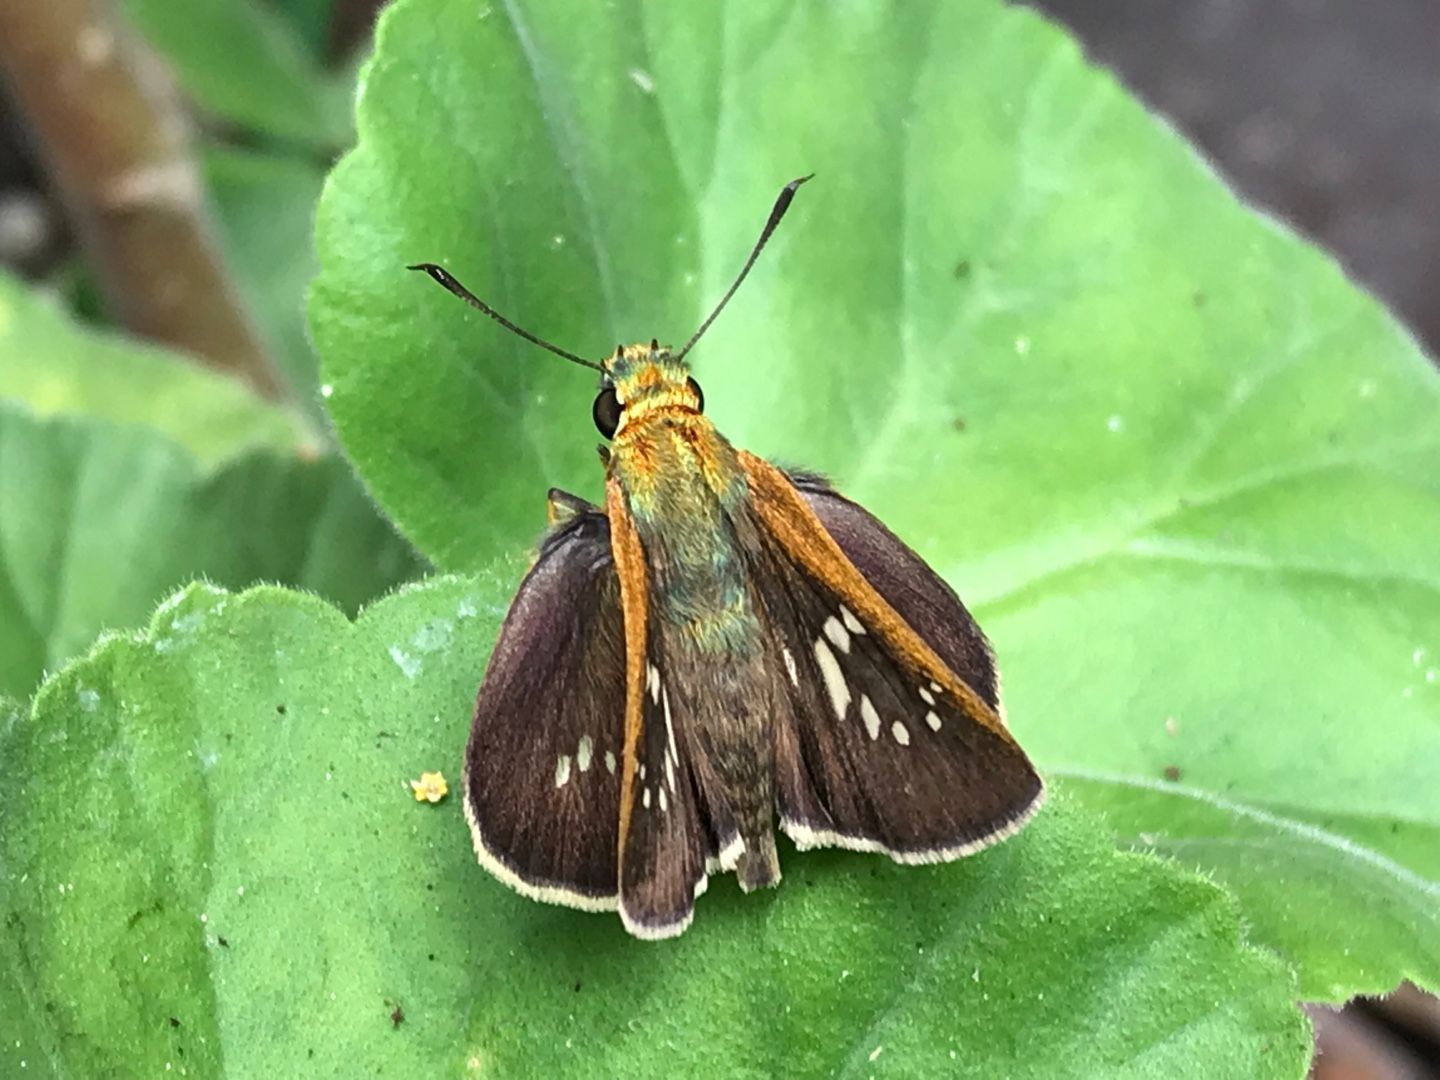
[(431, 787)]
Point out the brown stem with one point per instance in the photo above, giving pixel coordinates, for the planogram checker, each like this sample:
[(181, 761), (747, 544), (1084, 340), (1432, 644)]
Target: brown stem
[(115, 142)]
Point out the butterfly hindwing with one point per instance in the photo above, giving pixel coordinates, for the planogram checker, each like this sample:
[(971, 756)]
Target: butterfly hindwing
[(662, 862), (893, 741), (542, 768)]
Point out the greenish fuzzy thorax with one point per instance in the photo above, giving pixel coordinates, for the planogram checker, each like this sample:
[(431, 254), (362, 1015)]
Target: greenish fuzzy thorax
[(684, 484)]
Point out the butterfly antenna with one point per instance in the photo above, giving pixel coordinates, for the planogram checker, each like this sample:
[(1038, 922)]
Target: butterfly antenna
[(781, 205), (443, 277)]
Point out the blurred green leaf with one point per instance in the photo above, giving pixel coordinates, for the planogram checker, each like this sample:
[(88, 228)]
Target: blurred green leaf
[(243, 61), (55, 367), (266, 209), (311, 20), (151, 471), (210, 821), (1184, 470), (99, 521)]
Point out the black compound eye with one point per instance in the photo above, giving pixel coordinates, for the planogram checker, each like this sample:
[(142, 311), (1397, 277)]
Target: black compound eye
[(607, 412), (699, 394)]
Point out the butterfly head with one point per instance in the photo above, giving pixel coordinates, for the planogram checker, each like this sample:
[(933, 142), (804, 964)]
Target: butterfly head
[(639, 381)]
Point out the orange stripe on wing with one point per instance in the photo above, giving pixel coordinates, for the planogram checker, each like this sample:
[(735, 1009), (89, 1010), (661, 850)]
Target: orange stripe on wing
[(789, 519), (629, 558)]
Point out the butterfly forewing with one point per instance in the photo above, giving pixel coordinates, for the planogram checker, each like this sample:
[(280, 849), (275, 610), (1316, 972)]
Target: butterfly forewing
[(542, 769), (919, 595), (893, 742), (662, 843)]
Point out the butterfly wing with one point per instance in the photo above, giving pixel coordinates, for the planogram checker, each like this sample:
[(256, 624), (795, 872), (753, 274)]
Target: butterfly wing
[(663, 846), (542, 779), (894, 740), (919, 595)]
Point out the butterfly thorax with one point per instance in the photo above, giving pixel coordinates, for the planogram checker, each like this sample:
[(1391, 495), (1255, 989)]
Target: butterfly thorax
[(683, 483)]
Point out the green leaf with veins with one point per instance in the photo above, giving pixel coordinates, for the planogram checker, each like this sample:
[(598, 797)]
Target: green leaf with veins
[(210, 822), (1296, 877), (1182, 468)]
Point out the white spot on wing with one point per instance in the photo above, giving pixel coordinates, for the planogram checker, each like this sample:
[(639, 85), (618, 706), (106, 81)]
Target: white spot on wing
[(670, 773), (934, 687), (870, 716), (672, 752), (583, 752), (933, 721), (664, 801), (834, 678), (851, 622), (646, 798), (927, 696), (901, 733), (652, 681), (562, 770), (790, 666), (610, 762), (836, 633)]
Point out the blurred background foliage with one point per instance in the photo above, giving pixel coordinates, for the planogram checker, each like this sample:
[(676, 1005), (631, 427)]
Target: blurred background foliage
[(166, 470)]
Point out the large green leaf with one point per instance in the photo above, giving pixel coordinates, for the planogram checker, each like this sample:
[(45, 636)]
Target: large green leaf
[(211, 859), (55, 368), (98, 521), (1183, 469)]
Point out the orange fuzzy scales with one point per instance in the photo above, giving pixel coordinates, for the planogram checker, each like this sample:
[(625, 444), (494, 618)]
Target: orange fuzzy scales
[(634, 604)]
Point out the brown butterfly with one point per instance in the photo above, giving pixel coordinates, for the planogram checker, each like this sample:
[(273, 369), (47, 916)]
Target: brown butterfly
[(724, 644)]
